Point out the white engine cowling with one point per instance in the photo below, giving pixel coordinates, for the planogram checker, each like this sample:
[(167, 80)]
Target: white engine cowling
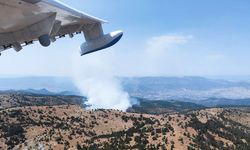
[(101, 43)]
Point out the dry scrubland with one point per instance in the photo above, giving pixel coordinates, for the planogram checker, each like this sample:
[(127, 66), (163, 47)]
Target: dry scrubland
[(71, 127)]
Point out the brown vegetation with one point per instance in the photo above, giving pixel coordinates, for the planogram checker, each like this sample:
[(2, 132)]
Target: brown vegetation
[(71, 127)]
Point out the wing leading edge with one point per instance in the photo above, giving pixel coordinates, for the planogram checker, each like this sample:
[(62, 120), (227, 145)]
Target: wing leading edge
[(25, 21)]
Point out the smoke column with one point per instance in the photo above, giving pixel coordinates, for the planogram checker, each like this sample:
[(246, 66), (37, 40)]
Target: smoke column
[(94, 76)]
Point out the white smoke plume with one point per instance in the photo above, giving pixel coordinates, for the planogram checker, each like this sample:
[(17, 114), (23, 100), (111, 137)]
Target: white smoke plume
[(94, 76)]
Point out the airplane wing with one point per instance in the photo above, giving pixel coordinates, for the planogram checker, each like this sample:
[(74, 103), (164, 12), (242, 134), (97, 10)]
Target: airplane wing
[(24, 21)]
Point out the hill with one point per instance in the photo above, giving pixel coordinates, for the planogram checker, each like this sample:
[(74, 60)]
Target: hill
[(163, 106), (216, 102), (71, 127), (57, 122), (12, 99)]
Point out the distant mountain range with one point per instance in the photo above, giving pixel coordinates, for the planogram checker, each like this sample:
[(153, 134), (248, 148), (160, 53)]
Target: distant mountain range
[(44, 92), (47, 85), (182, 88), (199, 90)]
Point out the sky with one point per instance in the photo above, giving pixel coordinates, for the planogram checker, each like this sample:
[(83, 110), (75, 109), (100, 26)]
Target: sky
[(161, 38)]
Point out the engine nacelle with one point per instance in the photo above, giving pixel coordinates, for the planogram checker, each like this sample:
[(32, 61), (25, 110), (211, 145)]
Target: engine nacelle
[(101, 43)]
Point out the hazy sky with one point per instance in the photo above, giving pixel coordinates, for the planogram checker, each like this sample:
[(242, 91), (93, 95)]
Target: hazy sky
[(161, 37)]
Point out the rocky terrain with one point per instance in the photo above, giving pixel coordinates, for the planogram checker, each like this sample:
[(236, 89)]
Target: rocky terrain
[(70, 126)]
